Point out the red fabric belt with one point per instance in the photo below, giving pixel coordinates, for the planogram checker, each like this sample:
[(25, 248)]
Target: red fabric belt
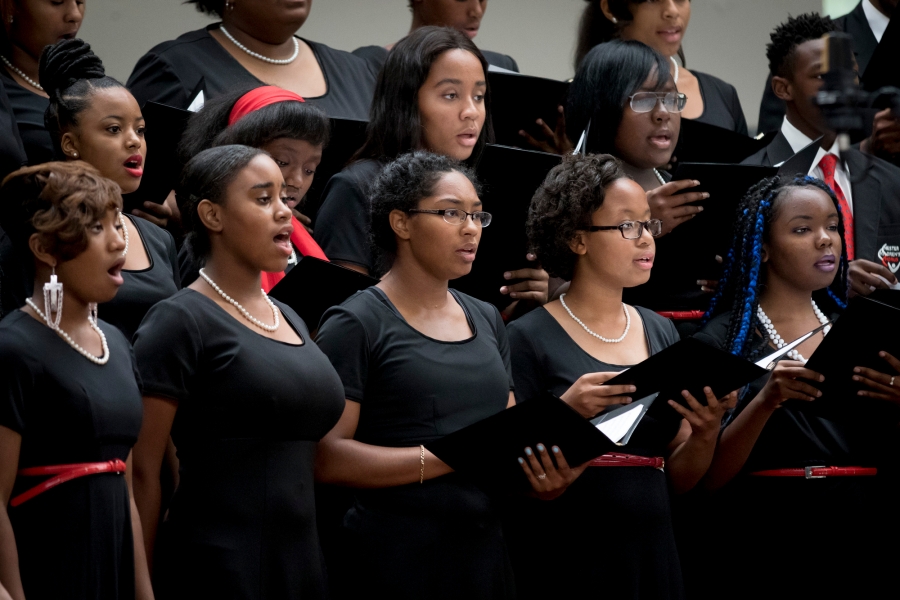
[(63, 474), (628, 460), (819, 472), (681, 315)]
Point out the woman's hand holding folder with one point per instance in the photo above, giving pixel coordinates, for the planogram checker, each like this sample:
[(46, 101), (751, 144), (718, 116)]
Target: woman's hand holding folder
[(882, 385), (549, 477), (588, 396), (786, 383), (672, 208)]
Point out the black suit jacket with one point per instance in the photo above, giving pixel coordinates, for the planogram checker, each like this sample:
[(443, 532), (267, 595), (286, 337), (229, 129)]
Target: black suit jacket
[(876, 200), (771, 110)]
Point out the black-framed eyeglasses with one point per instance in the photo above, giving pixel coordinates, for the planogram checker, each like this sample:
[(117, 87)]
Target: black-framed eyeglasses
[(456, 216), (643, 102), (632, 230)]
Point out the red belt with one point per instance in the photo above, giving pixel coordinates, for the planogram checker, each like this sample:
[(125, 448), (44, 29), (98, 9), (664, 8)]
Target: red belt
[(63, 474), (681, 315), (628, 460), (819, 472)]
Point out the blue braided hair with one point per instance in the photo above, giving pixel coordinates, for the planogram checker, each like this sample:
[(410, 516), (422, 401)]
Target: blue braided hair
[(743, 275)]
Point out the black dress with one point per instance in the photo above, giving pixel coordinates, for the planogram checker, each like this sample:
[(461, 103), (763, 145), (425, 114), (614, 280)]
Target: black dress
[(441, 539), (377, 55), (610, 533), (142, 289), (74, 540), (342, 223), (174, 72), (28, 109), (721, 105), (250, 411), (779, 531)]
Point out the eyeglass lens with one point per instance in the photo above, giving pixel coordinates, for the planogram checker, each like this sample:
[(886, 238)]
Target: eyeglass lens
[(642, 102)]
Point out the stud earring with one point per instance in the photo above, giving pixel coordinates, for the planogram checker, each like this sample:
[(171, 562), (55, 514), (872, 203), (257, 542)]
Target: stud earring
[(615, 21), (74, 155), (53, 301), (229, 6)]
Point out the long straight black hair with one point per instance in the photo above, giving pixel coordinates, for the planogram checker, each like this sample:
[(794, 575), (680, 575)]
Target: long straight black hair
[(395, 126), (608, 75)]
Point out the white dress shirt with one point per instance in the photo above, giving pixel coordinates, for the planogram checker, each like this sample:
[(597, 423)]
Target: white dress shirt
[(798, 140), (878, 22)]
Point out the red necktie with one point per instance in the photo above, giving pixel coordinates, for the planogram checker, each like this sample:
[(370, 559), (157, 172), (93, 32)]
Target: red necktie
[(828, 164)]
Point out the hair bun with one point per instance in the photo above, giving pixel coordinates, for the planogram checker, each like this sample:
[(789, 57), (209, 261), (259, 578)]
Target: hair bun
[(67, 62)]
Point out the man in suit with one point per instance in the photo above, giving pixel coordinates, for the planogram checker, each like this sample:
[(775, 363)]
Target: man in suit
[(865, 24), (867, 187)]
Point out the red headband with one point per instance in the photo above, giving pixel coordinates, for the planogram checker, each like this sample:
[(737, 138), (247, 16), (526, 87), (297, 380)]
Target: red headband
[(258, 98)]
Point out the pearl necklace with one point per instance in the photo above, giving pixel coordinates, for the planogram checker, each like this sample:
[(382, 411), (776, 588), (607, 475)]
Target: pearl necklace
[(258, 56), (674, 62), (244, 311), (659, 176), (19, 72), (124, 232), (562, 300), (99, 360), (776, 339)]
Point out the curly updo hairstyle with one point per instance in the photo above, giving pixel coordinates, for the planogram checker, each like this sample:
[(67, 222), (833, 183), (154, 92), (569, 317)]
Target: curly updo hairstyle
[(207, 177), (401, 185), (213, 8), (208, 127), (59, 201), (70, 73), (563, 205)]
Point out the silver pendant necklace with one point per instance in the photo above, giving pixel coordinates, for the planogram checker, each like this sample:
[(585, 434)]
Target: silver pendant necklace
[(258, 56), (562, 300)]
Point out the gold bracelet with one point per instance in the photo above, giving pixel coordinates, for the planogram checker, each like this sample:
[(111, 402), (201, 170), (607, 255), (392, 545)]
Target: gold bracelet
[(422, 464)]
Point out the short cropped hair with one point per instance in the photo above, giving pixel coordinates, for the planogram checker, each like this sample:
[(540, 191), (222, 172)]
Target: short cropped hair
[(59, 201), (207, 177), (790, 34), (563, 205), (401, 185)]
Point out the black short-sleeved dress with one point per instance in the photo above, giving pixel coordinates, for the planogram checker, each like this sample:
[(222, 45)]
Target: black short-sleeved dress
[(610, 533), (377, 55), (778, 532), (441, 539), (342, 223), (74, 540), (173, 72), (142, 289), (28, 109), (721, 105), (250, 411)]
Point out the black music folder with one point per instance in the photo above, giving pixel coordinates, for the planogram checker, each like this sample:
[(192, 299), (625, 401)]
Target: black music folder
[(692, 365), (347, 136), (705, 143), (688, 253), (517, 101), (488, 451), (866, 328), (801, 162), (162, 167), (510, 177), (314, 286)]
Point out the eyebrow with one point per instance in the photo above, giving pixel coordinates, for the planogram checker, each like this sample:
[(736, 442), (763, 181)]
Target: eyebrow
[(457, 82), (263, 186), (454, 200), (809, 218)]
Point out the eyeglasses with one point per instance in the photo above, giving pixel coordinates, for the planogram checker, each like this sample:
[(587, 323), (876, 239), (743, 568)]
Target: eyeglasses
[(643, 102), (456, 216), (632, 230)]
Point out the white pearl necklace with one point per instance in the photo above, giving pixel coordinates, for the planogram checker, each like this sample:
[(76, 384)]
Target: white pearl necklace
[(99, 360), (258, 56), (124, 233), (674, 62), (562, 300), (19, 72), (776, 339), (662, 180), (244, 311)]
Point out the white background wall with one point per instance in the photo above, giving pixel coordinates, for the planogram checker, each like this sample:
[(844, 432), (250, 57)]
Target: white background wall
[(726, 37)]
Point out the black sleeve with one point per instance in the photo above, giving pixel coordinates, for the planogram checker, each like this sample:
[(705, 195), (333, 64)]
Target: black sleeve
[(740, 122), (154, 79), (342, 225), (167, 348), (503, 344), (172, 254), (17, 383), (526, 366), (343, 339), (188, 268)]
